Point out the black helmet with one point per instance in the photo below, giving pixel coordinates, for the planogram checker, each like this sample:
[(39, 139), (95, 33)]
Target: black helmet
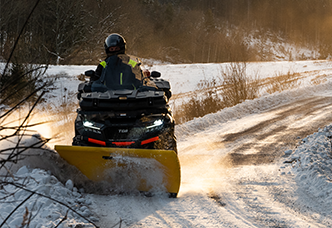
[(115, 40)]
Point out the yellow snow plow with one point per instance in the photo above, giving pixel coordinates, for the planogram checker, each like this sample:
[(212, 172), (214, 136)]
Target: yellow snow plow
[(127, 168)]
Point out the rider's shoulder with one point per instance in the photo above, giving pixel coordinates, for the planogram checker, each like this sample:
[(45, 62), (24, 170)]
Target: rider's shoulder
[(127, 58), (130, 59)]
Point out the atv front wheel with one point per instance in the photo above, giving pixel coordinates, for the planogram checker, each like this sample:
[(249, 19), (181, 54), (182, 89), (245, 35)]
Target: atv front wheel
[(172, 195), (167, 140)]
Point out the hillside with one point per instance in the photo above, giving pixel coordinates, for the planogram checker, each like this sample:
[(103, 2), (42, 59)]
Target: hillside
[(177, 31)]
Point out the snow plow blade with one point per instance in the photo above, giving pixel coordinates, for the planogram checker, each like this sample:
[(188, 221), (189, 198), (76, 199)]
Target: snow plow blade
[(141, 169)]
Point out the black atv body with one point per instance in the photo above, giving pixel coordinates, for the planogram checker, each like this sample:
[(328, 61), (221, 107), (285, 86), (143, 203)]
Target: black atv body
[(139, 118)]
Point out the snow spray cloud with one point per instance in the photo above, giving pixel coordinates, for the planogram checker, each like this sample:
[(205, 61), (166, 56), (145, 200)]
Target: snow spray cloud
[(130, 173), (202, 170), (16, 129)]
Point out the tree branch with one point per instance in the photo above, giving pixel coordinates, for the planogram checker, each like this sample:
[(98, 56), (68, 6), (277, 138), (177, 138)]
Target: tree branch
[(4, 221)]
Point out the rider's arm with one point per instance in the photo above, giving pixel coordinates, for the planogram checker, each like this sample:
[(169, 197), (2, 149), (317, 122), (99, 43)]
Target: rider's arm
[(97, 73)]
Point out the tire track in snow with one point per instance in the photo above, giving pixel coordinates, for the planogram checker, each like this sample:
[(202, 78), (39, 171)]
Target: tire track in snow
[(251, 191), (261, 192), (270, 137), (251, 197)]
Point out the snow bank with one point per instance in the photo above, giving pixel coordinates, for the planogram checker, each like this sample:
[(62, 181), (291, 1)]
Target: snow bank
[(45, 208), (248, 107), (311, 164)]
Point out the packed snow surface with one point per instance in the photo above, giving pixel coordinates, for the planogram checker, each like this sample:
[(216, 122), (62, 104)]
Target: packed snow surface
[(217, 188)]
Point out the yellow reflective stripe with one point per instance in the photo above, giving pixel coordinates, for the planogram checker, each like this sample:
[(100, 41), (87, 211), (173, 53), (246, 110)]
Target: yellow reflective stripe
[(103, 63), (121, 79), (132, 63)]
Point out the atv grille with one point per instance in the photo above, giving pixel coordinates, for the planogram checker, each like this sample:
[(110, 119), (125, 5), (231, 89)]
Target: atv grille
[(117, 132)]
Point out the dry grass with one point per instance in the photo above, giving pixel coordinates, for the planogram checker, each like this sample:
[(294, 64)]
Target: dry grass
[(232, 88), (319, 79), (237, 86), (282, 82), (198, 106)]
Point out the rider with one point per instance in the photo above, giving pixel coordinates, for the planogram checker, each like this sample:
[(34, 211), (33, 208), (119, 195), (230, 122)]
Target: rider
[(118, 70)]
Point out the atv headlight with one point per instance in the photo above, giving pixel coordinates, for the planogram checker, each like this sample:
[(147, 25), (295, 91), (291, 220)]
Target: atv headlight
[(92, 126), (156, 125)]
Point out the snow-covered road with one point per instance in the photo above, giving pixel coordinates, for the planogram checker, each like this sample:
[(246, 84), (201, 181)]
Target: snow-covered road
[(231, 175), (262, 163)]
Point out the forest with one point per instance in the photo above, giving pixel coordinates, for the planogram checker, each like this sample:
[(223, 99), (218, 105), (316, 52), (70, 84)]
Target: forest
[(175, 31)]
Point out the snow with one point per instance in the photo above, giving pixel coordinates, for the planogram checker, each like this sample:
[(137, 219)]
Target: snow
[(42, 206), (311, 163), (293, 191), (185, 77)]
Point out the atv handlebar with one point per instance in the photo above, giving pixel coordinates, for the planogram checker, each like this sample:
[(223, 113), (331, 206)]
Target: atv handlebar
[(89, 73)]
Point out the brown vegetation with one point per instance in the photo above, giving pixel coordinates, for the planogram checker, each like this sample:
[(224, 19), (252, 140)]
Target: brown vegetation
[(179, 31), (232, 88)]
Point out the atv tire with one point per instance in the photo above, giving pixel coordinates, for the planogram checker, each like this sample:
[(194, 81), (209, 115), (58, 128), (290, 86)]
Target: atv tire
[(167, 140), (172, 195)]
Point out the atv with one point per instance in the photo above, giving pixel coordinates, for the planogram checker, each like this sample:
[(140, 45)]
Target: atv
[(115, 125), (126, 118)]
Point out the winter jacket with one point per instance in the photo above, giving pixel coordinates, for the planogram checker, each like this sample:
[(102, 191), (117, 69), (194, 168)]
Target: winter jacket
[(119, 72)]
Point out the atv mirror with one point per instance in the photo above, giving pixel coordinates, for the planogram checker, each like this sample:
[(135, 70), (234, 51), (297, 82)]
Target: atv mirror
[(155, 74), (89, 73)]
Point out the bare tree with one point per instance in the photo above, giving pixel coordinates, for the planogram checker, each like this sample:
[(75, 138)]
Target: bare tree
[(64, 24), (13, 134)]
